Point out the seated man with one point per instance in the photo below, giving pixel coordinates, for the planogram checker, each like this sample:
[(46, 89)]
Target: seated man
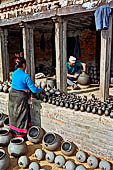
[(74, 69)]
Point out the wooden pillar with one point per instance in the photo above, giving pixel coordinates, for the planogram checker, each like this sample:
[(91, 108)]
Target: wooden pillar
[(61, 54), (28, 48), (4, 58), (31, 48), (106, 40)]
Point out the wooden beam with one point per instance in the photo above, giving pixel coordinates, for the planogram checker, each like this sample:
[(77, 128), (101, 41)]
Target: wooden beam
[(31, 38), (64, 55), (4, 58), (106, 40), (26, 45), (61, 54)]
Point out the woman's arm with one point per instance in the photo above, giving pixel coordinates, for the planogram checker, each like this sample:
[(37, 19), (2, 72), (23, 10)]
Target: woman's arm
[(84, 66), (31, 85)]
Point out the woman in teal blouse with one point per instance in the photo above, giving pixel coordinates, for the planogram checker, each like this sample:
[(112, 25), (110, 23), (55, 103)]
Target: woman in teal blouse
[(19, 110)]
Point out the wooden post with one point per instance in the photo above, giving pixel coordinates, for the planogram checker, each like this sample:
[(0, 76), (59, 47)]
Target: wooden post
[(61, 54), (31, 38), (106, 40), (4, 58), (64, 56), (28, 47)]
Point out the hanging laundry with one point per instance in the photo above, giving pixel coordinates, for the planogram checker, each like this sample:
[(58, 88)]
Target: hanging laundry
[(102, 15), (42, 42), (77, 48)]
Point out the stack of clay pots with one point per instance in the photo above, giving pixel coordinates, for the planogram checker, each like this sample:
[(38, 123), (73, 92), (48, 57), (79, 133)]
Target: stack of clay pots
[(94, 74), (5, 86)]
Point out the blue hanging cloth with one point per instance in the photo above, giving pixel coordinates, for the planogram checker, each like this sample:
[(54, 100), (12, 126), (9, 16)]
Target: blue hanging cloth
[(102, 15)]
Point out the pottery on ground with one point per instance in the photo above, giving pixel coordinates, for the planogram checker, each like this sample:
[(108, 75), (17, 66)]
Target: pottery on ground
[(69, 165), (34, 166), (6, 123), (51, 141), (5, 136), (35, 134), (23, 161), (67, 148), (92, 162), (60, 161), (17, 147), (50, 156), (104, 165), (40, 154), (81, 156), (80, 167), (4, 160)]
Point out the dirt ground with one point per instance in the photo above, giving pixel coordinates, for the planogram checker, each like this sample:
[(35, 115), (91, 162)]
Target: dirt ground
[(43, 164)]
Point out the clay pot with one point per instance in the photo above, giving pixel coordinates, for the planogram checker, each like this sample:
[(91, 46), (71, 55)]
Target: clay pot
[(52, 92), (80, 167), (45, 99), (92, 162), (69, 165), (88, 109), (50, 100), (76, 107), (53, 101), (83, 79), (67, 104), (51, 141), (6, 123), (57, 92), (94, 110), (111, 114), (1, 120), (60, 161), (35, 134), (17, 147), (34, 166), (50, 156), (82, 108), (107, 112), (4, 160), (40, 154), (104, 165), (67, 148), (71, 105), (81, 156), (62, 103), (50, 82), (5, 89), (9, 89), (5, 137), (57, 103), (23, 161), (1, 87), (99, 111)]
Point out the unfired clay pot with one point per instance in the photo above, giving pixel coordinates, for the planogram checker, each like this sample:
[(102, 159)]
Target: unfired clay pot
[(92, 162), (34, 166), (51, 141), (67, 148), (35, 134), (40, 154), (104, 165), (69, 165), (17, 147), (83, 79), (5, 136), (4, 160), (81, 156), (50, 156), (23, 161), (60, 161), (80, 167)]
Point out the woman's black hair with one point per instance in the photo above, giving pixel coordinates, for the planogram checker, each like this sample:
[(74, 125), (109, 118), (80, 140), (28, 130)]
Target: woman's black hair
[(19, 63)]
